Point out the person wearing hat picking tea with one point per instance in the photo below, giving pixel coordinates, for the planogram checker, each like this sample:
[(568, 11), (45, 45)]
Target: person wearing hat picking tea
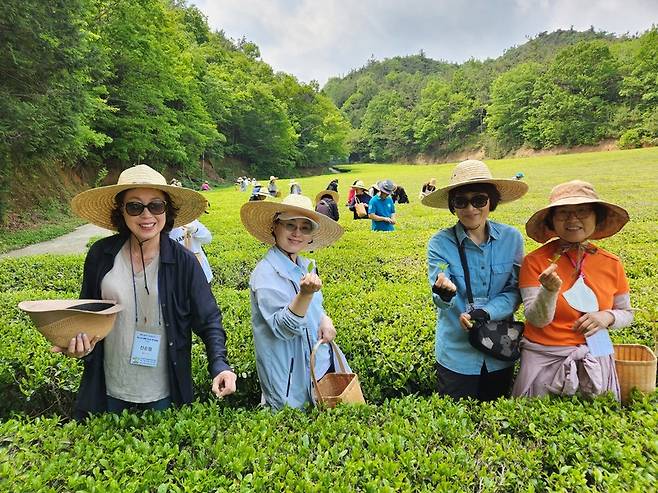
[(573, 292), (272, 189), (295, 188), (493, 252), (287, 313), (360, 196), (381, 209), (326, 202), (145, 362)]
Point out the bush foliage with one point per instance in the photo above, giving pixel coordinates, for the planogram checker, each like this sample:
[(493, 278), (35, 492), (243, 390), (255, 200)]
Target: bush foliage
[(376, 291)]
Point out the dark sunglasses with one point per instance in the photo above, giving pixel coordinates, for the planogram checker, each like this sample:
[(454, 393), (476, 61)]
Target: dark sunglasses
[(477, 201), (156, 207)]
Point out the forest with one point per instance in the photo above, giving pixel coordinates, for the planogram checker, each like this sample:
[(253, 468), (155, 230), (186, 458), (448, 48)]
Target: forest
[(565, 88), (95, 85)]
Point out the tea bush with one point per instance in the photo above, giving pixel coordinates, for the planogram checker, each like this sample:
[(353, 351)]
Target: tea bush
[(376, 291)]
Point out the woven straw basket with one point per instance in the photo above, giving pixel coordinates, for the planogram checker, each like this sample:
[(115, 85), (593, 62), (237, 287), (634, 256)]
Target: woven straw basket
[(61, 320), (636, 368), (335, 388)]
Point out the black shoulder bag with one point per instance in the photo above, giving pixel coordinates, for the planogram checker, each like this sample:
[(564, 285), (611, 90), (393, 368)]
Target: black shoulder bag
[(499, 339)]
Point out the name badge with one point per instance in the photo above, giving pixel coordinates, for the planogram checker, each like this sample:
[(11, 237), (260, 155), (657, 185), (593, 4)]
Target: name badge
[(145, 351)]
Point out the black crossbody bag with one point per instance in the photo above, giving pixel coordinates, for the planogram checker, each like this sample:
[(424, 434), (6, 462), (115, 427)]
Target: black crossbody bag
[(499, 339)]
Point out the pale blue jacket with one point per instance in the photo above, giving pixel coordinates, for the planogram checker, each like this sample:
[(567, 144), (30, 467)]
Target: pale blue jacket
[(494, 269), (283, 340)]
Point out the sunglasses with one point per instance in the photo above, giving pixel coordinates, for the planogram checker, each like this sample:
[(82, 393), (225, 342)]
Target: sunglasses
[(477, 201), (156, 207)]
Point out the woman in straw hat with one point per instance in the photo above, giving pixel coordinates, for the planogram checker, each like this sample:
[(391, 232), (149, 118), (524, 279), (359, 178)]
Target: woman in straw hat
[(360, 196), (145, 362), (287, 315), (494, 252), (573, 291), (326, 202)]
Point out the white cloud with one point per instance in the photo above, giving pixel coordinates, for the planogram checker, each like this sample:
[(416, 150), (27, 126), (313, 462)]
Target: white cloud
[(321, 39)]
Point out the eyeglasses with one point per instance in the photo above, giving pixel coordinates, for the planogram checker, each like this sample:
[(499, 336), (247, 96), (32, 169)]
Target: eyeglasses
[(305, 228), (579, 212), (156, 207), (477, 201)]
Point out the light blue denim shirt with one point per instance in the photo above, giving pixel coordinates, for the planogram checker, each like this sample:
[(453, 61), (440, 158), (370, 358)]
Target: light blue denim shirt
[(283, 340), (494, 269)]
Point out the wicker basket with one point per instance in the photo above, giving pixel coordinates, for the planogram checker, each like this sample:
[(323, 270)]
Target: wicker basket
[(335, 388), (636, 368)]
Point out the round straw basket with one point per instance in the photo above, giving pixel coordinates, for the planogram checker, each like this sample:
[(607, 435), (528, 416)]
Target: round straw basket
[(636, 368)]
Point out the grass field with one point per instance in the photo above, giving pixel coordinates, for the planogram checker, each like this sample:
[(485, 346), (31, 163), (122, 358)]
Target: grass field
[(375, 289)]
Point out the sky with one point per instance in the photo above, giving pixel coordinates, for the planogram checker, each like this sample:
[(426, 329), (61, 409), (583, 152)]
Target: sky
[(316, 40)]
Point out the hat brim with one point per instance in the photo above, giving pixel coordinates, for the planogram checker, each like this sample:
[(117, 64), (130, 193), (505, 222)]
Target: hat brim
[(96, 205), (509, 191), (332, 193), (258, 219), (616, 218)]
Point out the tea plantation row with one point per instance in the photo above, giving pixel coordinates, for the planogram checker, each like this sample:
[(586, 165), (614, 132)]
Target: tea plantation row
[(376, 291)]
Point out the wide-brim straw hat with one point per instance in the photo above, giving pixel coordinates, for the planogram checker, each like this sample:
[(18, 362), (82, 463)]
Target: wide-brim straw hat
[(359, 184), (61, 320), (96, 205), (470, 172), (573, 193), (334, 195), (258, 219)]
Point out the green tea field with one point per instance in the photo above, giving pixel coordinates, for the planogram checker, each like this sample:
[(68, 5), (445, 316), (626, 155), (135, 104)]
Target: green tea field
[(375, 289)]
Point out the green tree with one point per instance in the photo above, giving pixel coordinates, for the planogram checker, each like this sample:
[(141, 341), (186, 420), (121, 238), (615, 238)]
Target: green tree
[(511, 101), (576, 98)]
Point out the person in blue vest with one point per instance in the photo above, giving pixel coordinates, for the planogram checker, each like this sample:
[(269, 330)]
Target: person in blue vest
[(381, 209), (287, 314)]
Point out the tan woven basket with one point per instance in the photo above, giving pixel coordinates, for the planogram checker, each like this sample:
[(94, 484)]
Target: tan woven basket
[(335, 388), (636, 368)]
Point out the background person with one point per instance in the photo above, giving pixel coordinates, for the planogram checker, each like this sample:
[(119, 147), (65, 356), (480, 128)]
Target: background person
[(193, 236), (399, 195), (494, 252), (272, 189), (427, 188), (326, 202), (381, 209), (287, 315), (295, 188), (360, 195), (145, 362), (572, 290)]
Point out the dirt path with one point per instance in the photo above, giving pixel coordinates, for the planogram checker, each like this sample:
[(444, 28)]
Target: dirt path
[(73, 242)]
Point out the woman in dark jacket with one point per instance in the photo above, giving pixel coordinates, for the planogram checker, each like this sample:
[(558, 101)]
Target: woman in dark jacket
[(145, 362), (360, 196)]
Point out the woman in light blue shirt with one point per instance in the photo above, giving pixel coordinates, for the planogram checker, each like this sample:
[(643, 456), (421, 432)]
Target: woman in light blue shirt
[(287, 315), (494, 253)]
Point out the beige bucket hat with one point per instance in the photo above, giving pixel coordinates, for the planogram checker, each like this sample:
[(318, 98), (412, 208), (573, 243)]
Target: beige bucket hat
[(473, 171), (96, 205), (258, 219), (61, 320), (359, 184), (573, 193), (334, 195)]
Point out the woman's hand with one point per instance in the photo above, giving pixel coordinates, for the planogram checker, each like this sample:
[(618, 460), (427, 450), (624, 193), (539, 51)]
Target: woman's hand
[(465, 321), (224, 383), (326, 330), (549, 279), (590, 323), (310, 283), (445, 285), (79, 346)]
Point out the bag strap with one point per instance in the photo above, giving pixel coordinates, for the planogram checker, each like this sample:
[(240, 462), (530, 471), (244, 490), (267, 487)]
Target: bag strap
[(467, 275)]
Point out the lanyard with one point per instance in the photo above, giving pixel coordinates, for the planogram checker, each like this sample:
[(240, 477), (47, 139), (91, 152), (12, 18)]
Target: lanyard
[(132, 270), (579, 269)]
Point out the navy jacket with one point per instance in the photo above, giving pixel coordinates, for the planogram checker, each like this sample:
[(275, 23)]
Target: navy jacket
[(187, 305)]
